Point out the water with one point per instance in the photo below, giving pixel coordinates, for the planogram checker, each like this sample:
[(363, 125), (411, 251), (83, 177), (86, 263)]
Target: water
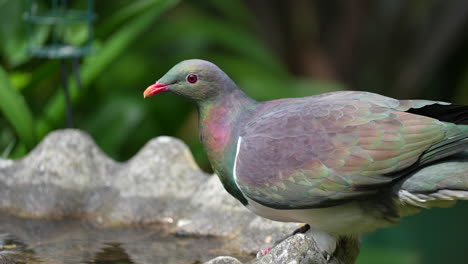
[(58, 242)]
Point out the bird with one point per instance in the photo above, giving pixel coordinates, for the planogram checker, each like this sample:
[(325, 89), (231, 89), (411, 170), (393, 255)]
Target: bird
[(335, 161)]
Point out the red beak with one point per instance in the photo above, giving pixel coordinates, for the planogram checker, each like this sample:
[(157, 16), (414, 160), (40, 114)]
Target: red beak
[(155, 89)]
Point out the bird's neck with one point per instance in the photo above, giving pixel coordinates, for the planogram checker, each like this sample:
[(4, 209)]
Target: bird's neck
[(219, 121)]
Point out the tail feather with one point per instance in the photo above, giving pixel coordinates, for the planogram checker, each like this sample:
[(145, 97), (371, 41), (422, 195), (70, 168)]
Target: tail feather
[(440, 177), (441, 198), (410, 203), (438, 185), (452, 113), (455, 118)]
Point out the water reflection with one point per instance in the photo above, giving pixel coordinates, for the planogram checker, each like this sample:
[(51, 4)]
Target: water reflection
[(14, 251), (26, 241), (110, 254)]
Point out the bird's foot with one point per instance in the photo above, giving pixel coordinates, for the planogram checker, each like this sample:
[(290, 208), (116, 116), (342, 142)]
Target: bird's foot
[(301, 230), (263, 252)]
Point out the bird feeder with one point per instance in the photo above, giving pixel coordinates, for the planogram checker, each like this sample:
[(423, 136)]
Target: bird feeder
[(62, 30)]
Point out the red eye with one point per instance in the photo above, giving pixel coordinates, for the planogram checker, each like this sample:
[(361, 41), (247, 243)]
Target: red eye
[(192, 78)]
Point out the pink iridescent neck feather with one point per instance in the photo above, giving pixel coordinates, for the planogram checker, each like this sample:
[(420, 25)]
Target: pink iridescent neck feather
[(216, 122)]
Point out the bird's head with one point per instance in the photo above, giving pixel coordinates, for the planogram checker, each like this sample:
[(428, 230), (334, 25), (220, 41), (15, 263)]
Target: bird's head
[(195, 80)]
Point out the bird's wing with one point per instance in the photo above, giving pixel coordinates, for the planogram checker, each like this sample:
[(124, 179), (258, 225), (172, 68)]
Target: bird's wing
[(319, 151)]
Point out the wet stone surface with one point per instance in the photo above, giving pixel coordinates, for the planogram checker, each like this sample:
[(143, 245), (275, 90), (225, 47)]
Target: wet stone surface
[(78, 206), (73, 241)]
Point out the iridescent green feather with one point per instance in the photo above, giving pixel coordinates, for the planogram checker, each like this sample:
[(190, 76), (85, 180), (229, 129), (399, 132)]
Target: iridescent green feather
[(357, 143)]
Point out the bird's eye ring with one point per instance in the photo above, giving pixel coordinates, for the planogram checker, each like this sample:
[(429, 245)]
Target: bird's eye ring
[(192, 78)]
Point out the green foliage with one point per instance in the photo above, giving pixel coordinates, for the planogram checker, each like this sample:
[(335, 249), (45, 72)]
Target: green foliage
[(105, 55), (16, 111), (13, 45), (136, 42)]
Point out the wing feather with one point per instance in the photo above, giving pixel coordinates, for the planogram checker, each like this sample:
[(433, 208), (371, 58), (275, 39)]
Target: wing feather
[(317, 151)]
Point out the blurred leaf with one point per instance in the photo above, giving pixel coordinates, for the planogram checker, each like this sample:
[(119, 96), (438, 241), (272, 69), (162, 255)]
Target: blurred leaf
[(16, 111), (96, 64), (19, 151), (123, 14), (8, 138), (114, 121), (38, 36), (12, 45), (6, 152), (13, 33), (234, 10), (219, 32), (20, 79), (12, 23), (262, 84), (42, 73), (76, 34)]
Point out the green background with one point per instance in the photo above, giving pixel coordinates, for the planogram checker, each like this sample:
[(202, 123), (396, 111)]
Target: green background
[(272, 49)]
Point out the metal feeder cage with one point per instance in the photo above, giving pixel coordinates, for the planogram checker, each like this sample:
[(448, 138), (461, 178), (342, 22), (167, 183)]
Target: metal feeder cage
[(55, 31)]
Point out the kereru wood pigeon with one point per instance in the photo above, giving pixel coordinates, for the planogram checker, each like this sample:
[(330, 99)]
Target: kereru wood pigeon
[(332, 160)]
